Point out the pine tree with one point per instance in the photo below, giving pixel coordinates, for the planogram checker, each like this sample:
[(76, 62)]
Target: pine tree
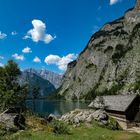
[(12, 94)]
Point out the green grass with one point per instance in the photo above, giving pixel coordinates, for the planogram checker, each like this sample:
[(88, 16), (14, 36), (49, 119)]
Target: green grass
[(93, 132)]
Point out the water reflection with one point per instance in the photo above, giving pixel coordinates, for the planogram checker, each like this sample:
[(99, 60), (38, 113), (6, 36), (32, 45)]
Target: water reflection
[(45, 107)]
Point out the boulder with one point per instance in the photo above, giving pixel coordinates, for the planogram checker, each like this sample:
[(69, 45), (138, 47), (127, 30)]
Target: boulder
[(89, 119), (12, 121), (83, 116), (100, 115), (51, 117)]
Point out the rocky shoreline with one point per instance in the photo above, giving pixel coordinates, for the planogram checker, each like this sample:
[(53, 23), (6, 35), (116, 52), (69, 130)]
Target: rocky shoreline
[(88, 116)]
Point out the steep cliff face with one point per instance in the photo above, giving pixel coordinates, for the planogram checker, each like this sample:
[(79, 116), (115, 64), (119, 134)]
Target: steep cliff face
[(110, 64)]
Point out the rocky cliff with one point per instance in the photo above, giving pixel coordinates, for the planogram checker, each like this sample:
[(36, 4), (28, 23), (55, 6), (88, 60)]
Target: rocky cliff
[(110, 63)]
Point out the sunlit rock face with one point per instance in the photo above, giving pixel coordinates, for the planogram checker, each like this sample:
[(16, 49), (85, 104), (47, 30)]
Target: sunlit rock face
[(110, 62)]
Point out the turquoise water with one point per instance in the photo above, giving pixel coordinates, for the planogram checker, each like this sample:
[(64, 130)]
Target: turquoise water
[(45, 107)]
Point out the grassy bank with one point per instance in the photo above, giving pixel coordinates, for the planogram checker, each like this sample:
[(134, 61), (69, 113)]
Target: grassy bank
[(84, 132)]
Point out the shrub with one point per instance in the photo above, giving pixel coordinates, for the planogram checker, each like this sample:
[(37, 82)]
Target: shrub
[(119, 53), (59, 127), (135, 86), (113, 124)]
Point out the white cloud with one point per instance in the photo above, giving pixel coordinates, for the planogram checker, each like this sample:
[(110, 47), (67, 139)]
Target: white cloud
[(37, 60), (61, 62), (2, 35), (27, 50), (113, 2), (14, 33), (1, 65), (18, 57), (38, 33), (1, 57)]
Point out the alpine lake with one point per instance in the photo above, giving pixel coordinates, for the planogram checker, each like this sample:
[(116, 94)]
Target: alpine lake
[(57, 107)]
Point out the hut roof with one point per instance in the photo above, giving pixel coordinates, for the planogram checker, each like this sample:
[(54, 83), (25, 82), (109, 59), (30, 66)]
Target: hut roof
[(114, 102)]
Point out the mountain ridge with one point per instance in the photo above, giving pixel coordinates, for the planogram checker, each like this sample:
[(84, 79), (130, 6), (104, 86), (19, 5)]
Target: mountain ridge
[(52, 77), (47, 81), (110, 62)]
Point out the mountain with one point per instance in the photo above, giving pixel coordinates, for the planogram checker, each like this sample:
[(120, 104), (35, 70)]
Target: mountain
[(47, 81), (52, 77), (110, 63)]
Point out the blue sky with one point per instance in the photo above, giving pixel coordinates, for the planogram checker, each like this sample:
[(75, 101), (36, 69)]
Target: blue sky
[(51, 33)]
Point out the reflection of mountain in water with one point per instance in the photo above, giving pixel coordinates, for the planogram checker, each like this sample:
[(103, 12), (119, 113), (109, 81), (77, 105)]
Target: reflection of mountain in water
[(55, 107)]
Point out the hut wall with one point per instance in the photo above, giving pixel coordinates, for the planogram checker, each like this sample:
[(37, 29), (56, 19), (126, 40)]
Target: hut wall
[(133, 109), (116, 114)]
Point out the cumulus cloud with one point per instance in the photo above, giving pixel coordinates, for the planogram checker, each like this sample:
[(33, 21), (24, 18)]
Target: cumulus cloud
[(27, 50), (18, 57), (14, 33), (2, 35), (61, 62), (38, 33), (37, 60), (113, 2)]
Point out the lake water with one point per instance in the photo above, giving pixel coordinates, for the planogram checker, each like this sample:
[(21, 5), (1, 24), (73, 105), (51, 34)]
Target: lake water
[(45, 107)]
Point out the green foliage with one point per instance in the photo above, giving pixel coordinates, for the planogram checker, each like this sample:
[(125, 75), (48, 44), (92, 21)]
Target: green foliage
[(113, 124), (94, 92), (11, 92), (119, 53), (91, 65), (54, 95), (135, 86), (60, 127), (90, 132), (135, 32), (36, 91)]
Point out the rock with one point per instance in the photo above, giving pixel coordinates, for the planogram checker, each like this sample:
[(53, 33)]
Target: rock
[(43, 121), (98, 103), (100, 115), (110, 61), (104, 122), (12, 122), (84, 116), (88, 116), (51, 117), (76, 120), (89, 119), (103, 116)]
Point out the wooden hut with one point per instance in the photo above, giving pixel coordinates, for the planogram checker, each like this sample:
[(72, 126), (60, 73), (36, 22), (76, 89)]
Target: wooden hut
[(124, 108)]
